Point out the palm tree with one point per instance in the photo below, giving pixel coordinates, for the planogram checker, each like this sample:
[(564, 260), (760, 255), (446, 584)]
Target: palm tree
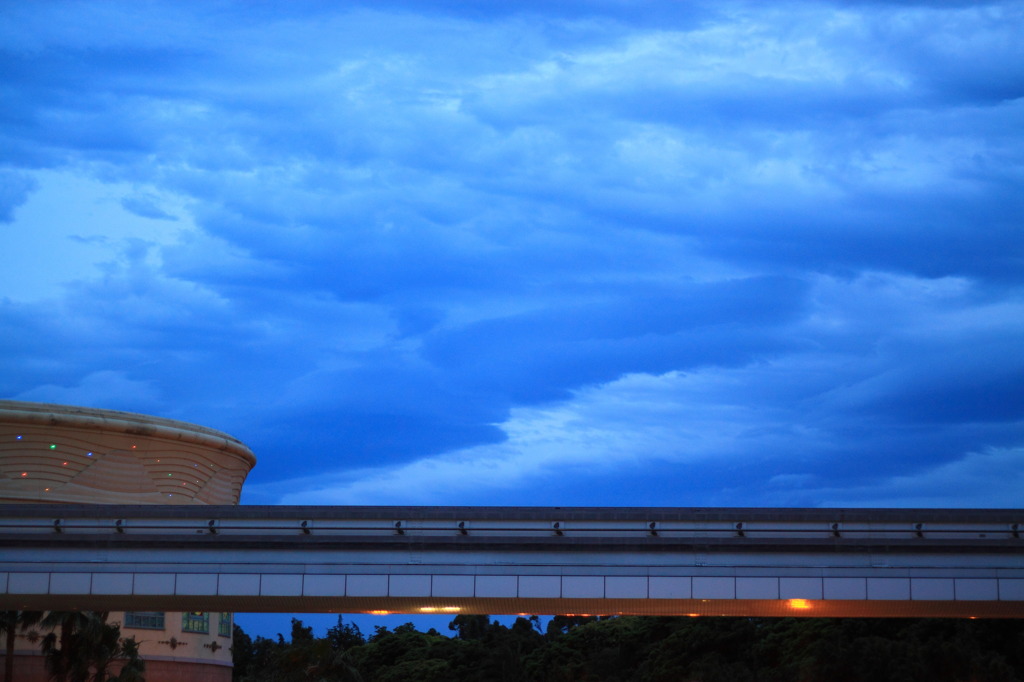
[(59, 658), (134, 667), (10, 623), (87, 646)]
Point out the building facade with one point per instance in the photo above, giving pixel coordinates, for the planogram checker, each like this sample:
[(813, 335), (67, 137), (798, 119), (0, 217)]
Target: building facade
[(57, 454)]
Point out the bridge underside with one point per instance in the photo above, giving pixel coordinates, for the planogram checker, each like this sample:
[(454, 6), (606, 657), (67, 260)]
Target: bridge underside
[(767, 608)]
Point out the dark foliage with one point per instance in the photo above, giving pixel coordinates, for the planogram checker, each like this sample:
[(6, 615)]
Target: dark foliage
[(84, 647), (648, 649)]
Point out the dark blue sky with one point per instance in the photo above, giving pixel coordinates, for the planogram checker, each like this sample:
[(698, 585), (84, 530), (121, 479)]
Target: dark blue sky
[(722, 253)]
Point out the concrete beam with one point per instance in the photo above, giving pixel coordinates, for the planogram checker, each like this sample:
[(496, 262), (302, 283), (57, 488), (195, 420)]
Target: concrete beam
[(514, 560)]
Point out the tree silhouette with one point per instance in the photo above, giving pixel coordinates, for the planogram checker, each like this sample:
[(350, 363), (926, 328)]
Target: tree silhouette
[(650, 649), (10, 623), (86, 647)]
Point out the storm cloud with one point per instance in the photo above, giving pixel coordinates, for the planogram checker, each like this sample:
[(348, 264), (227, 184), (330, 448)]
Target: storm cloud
[(713, 253)]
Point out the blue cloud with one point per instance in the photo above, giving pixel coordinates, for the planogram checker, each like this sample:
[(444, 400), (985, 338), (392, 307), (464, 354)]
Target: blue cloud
[(146, 206), (416, 237), (14, 190)]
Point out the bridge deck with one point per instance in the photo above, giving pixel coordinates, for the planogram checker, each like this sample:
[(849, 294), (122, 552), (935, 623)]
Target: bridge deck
[(836, 562)]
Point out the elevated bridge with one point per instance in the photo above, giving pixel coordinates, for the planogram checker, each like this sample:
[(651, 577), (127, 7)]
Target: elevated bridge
[(514, 560)]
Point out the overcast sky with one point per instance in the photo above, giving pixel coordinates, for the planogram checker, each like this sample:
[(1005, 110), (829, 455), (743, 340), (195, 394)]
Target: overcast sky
[(576, 253)]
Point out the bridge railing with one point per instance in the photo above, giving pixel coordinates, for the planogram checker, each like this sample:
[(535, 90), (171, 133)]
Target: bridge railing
[(982, 527)]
